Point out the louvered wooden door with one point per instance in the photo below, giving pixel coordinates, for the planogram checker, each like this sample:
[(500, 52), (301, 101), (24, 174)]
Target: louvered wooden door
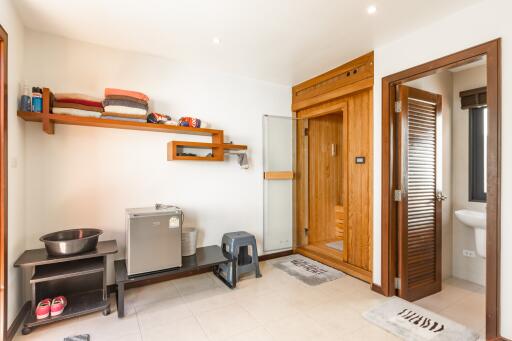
[(419, 210)]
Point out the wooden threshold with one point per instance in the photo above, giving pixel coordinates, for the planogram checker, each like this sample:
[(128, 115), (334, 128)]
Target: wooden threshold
[(332, 259)]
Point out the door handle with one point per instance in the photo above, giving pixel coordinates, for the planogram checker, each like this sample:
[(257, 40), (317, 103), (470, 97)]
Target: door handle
[(441, 197), (333, 149)]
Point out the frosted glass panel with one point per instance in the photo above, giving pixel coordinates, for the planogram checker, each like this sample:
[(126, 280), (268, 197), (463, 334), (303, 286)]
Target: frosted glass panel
[(278, 156), (278, 144)]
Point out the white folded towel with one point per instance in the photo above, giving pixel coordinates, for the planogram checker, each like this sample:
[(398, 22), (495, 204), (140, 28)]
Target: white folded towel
[(76, 112), (119, 109)]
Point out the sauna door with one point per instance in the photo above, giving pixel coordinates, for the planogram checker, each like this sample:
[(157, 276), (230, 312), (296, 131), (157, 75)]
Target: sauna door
[(325, 176), (419, 197)]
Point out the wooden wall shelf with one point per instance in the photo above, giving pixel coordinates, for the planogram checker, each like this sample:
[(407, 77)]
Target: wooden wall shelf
[(109, 123), (217, 150), (217, 144)]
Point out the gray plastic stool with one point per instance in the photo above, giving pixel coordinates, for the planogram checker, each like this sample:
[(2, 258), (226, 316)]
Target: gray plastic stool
[(236, 243)]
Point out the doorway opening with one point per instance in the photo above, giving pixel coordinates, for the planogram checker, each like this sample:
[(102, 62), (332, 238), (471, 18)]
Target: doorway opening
[(440, 176), (325, 135), (3, 182)]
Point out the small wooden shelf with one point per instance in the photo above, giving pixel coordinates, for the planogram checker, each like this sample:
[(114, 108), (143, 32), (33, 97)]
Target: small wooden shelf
[(55, 271), (217, 150)]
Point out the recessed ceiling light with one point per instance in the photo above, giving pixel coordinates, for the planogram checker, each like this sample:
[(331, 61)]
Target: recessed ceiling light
[(216, 40), (372, 9)]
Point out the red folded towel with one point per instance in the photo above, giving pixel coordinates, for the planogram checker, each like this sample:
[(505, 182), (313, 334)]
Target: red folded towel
[(57, 104), (81, 101)]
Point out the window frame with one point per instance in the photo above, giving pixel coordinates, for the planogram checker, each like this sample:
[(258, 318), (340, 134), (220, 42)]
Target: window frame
[(477, 191)]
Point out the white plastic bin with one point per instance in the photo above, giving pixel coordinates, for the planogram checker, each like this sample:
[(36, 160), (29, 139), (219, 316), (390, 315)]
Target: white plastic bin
[(188, 241)]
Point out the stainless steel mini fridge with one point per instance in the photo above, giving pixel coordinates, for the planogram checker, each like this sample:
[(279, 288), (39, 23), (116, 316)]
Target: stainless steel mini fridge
[(153, 239)]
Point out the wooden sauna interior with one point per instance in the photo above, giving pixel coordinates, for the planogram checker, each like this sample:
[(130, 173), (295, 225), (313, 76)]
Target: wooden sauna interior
[(334, 167)]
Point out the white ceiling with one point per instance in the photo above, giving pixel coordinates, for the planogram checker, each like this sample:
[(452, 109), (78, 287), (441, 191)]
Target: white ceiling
[(283, 41)]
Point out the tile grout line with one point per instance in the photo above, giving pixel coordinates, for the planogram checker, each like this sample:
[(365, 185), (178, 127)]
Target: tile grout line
[(193, 313), (138, 322)]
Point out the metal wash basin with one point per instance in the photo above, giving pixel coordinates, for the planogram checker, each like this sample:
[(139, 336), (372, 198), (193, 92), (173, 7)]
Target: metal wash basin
[(71, 242)]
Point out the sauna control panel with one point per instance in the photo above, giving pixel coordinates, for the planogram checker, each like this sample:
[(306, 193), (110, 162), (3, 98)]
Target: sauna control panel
[(360, 160)]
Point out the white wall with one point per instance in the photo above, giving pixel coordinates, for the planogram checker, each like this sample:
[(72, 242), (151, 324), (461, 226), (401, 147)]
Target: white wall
[(16, 242), (442, 83), (471, 269), (84, 176), (451, 34)]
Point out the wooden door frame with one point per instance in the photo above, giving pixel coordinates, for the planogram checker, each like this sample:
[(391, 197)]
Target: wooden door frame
[(492, 51), (3, 170)]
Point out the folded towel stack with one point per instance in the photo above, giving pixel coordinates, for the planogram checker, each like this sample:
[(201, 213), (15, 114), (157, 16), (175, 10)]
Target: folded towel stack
[(126, 105), (77, 105)]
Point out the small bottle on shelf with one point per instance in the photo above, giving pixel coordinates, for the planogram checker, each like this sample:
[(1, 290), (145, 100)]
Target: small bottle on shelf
[(25, 102), (37, 99)]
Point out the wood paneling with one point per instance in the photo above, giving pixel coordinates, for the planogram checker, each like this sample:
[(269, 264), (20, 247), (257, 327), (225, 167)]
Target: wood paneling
[(341, 232), (349, 96), (337, 93), (359, 191), (325, 175), (331, 107), (346, 79)]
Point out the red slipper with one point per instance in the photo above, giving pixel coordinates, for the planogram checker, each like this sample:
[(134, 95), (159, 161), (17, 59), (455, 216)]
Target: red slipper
[(59, 303), (43, 309)]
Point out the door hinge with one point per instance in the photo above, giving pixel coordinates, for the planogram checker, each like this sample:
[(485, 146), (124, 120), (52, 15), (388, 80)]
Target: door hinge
[(306, 131), (397, 195), (397, 283), (398, 106)]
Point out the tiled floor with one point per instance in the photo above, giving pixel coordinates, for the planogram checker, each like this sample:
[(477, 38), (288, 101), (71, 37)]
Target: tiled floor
[(460, 301), (274, 307)]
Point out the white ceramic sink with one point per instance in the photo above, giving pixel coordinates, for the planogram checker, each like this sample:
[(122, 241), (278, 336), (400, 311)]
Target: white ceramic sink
[(477, 221), (471, 218)]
